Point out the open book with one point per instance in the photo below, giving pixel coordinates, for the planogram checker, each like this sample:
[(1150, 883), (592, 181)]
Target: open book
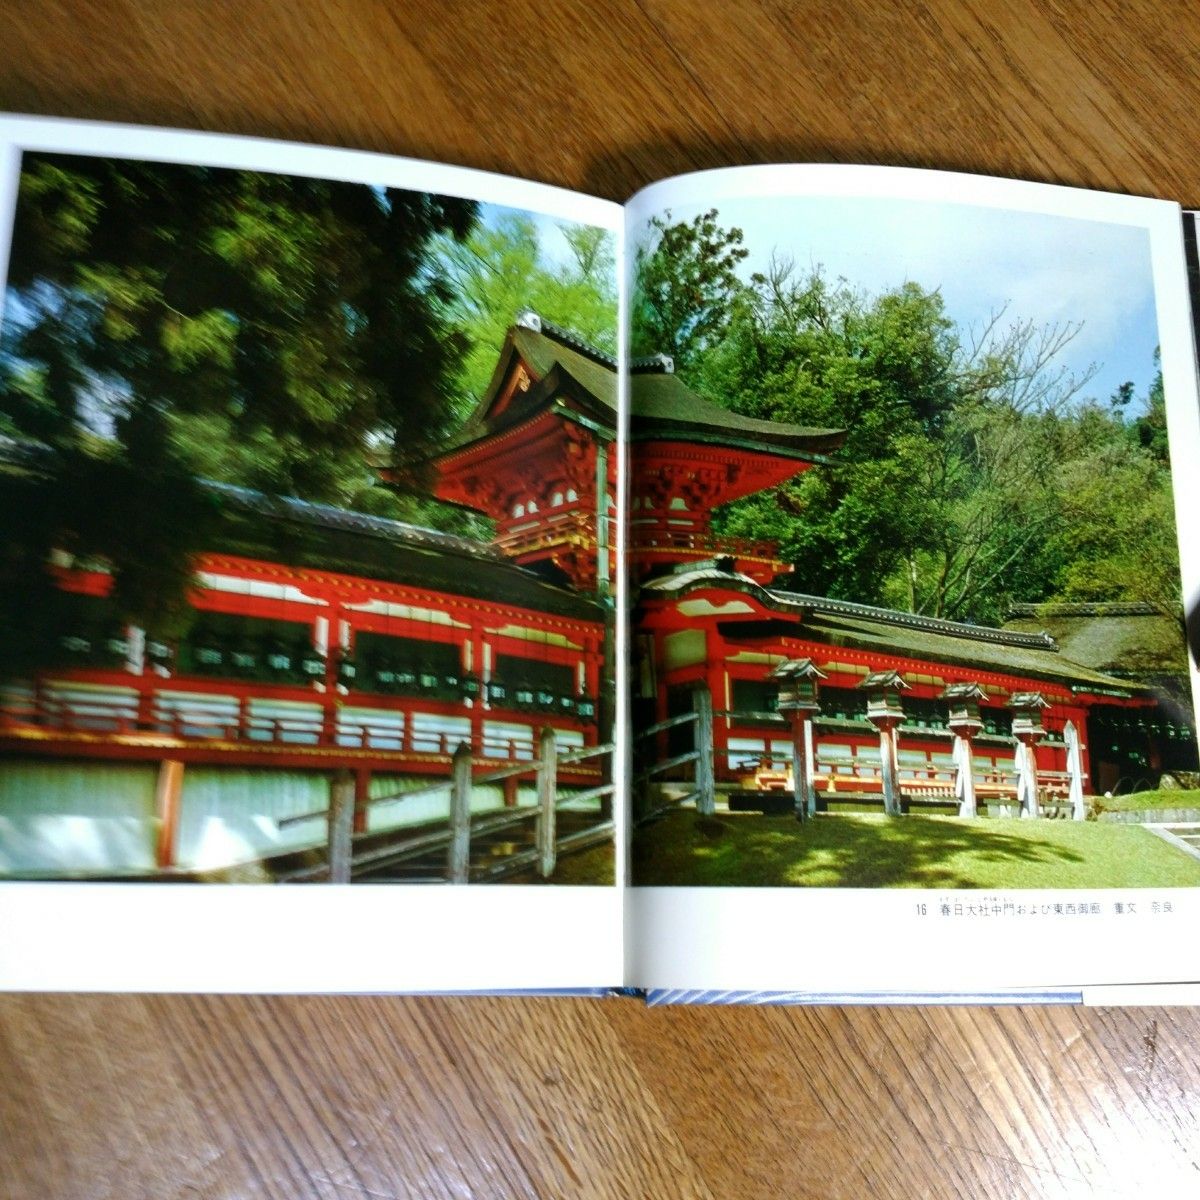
[(769, 587)]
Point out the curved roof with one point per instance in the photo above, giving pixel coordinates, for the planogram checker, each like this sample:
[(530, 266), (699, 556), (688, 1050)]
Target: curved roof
[(663, 406), (933, 639), (303, 533)]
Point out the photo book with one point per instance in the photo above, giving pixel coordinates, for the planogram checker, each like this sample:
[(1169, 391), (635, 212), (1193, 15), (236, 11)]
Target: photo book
[(775, 589)]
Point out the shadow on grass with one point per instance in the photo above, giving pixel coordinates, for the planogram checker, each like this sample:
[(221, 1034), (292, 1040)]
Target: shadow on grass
[(752, 851)]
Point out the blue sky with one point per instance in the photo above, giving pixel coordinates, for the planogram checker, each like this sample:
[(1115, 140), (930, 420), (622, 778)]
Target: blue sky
[(549, 230), (1044, 268)]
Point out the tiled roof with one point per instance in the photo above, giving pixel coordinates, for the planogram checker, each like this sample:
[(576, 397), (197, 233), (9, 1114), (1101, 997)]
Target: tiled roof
[(328, 516)]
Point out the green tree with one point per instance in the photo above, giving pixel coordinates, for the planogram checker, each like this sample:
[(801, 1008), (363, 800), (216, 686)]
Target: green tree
[(971, 474), (805, 351), (174, 321), (685, 286), (1150, 427), (503, 268), (943, 498), (1117, 538)]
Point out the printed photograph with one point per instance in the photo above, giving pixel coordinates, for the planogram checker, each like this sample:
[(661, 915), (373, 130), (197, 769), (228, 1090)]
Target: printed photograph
[(904, 569), (305, 552)]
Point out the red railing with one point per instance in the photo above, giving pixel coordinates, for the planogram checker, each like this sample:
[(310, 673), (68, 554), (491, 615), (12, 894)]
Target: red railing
[(701, 541), (407, 728)]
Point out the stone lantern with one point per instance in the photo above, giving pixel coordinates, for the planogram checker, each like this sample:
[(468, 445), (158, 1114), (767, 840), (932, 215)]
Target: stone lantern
[(886, 712), (1028, 729), (965, 722), (798, 680)]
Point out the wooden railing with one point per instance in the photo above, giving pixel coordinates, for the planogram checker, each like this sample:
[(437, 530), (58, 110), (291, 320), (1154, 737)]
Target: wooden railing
[(648, 765), (349, 853), (916, 779), (655, 537), (830, 774)]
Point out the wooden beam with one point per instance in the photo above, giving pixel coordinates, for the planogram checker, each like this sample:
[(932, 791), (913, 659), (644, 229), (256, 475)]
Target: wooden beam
[(512, 784), (706, 801), (802, 766), (547, 790), (362, 798)]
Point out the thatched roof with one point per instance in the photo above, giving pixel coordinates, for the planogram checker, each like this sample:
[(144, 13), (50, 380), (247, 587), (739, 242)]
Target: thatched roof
[(1135, 641)]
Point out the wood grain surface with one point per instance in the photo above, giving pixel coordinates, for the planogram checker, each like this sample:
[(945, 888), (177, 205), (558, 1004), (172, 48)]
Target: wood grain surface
[(170, 1097)]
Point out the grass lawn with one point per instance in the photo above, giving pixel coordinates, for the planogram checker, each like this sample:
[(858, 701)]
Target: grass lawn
[(749, 850), (589, 868), (1140, 801)]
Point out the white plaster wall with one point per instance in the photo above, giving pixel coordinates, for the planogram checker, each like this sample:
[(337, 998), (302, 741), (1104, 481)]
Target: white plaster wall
[(66, 817)]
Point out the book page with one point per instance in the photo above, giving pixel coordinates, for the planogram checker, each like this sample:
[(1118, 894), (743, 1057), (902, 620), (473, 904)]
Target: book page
[(912, 709), (307, 473)]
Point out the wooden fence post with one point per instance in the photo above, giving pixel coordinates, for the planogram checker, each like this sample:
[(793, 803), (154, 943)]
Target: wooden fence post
[(458, 866), (803, 795), (706, 801), (341, 826), (1027, 781), (547, 793), (1074, 772), (964, 777)]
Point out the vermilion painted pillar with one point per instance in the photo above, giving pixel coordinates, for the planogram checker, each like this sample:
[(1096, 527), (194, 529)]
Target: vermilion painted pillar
[(472, 663), (167, 797)]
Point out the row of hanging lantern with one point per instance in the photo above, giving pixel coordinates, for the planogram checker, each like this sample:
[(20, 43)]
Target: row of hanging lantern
[(525, 696), (799, 689), (1138, 725), (412, 659), (101, 645), (270, 657), (281, 656), (398, 675), (267, 656), (403, 677)]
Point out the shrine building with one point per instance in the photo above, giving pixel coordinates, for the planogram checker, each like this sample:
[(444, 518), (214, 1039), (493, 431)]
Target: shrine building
[(536, 456), (321, 640), (324, 639)]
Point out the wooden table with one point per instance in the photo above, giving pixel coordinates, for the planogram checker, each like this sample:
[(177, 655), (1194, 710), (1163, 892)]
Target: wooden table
[(383, 1097)]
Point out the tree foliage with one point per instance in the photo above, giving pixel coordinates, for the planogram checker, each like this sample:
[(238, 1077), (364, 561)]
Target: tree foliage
[(503, 268), (972, 473), (685, 285), (168, 322)]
